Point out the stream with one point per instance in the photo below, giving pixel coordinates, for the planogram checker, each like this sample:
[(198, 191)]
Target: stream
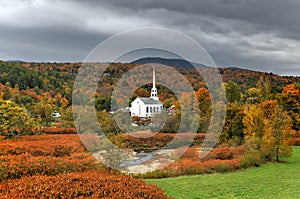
[(138, 159)]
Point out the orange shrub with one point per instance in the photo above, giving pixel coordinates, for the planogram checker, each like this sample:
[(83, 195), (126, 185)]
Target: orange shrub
[(212, 166), (191, 153), (79, 185), (59, 130), (221, 153), (222, 159), (192, 167), (43, 154), (295, 141), (160, 140), (42, 145), (297, 134), (184, 167), (16, 166), (224, 153)]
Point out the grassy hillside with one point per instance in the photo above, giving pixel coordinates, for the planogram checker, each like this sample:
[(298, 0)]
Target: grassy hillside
[(274, 180)]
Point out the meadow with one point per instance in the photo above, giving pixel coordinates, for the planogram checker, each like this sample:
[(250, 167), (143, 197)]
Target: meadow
[(272, 180)]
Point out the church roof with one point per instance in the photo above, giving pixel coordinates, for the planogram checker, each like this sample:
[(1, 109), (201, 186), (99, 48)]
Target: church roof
[(150, 101)]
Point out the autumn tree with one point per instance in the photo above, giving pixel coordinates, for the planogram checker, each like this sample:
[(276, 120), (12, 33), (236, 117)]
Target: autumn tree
[(188, 112), (5, 92), (260, 93), (290, 100), (204, 100), (254, 122), (250, 96), (278, 132), (270, 128), (15, 120), (43, 110)]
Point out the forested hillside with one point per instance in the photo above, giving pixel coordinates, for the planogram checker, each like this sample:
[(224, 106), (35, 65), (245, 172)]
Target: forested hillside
[(44, 88)]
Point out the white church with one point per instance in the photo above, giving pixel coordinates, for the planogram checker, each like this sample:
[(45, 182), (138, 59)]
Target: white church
[(147, 107)]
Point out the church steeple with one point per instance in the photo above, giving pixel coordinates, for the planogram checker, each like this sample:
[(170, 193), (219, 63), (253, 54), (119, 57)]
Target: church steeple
[(154, 90)]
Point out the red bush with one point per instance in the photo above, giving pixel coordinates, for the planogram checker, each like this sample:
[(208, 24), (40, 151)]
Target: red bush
[(212, 166), (16, 166), (295, 141), (43, 154), (219, 160), (79, 185), (191, 153), (297, 134), (224, 153), (27, 162), (159, 140), (191, 167), (42, 145)]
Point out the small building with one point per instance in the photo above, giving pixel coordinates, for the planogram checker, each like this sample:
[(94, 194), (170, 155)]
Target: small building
[(56, 114), (147, 107)]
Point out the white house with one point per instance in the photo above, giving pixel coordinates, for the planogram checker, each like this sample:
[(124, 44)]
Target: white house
[(147, 107)]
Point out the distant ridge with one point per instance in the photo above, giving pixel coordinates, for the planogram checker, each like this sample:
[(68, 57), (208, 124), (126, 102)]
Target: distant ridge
[(15, 60), (179, 63)]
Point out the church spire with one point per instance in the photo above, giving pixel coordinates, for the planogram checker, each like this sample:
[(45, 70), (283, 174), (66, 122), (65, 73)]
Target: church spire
[(154, 90), (153, 78)]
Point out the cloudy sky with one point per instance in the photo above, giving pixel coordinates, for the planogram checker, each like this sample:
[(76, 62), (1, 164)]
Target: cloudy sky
[(255, 34)]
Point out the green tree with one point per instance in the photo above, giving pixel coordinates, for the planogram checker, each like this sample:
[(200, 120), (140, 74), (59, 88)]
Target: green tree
[(108, 124), (67, 117), (264, 89), (103, 103), (43, 111), (171, 124), (233, 93), (233, 128)]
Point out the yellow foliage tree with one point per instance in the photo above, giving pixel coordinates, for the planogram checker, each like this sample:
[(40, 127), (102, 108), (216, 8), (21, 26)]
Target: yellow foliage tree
[(254, 122), (270, 126), (64, 103), (278, 132), (14, 120)]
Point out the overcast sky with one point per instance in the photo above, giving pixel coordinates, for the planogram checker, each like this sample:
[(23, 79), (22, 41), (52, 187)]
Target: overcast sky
[(260, 35)]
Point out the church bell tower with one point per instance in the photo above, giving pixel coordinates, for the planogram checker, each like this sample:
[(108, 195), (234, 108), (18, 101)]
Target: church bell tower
[(154, 90)]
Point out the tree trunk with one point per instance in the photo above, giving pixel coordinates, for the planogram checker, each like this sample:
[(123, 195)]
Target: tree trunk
[(277, 154)]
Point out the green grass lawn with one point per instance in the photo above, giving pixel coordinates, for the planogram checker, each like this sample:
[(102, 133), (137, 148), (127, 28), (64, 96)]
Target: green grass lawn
[(273, 180)]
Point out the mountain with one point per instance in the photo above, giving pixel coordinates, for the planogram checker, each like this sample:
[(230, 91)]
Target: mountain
[(179, 63), (15, 60)]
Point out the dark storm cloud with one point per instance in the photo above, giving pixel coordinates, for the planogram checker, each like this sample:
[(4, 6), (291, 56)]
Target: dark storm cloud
[(259, 35), (270, 14)]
